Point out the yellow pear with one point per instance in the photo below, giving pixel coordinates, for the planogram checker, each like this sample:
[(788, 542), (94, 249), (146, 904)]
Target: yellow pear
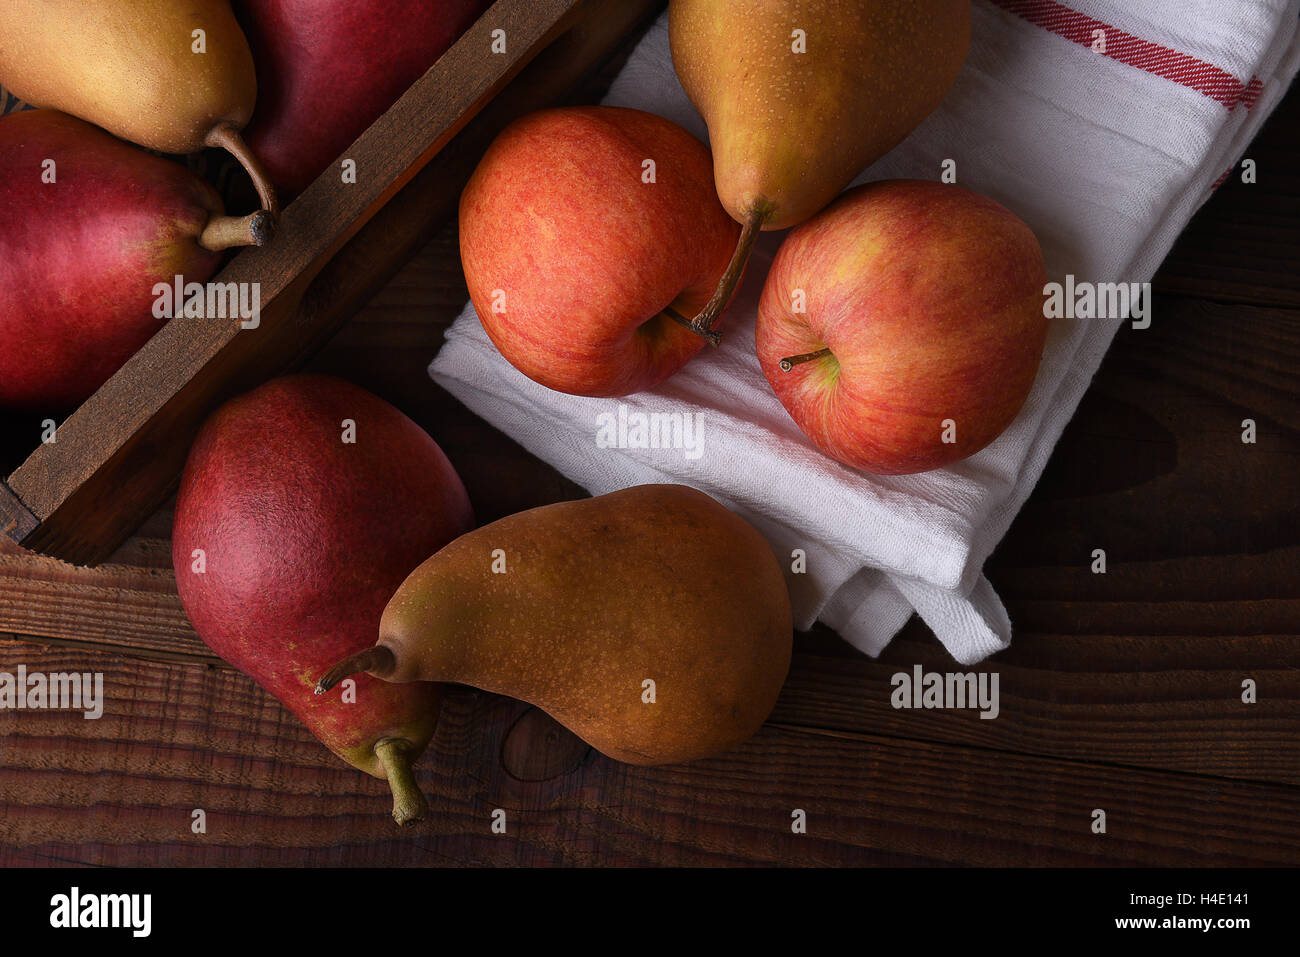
[(169, 75), (652, 622), (801, 95)]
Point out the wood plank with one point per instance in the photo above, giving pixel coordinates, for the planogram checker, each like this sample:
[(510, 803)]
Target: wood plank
[(1140, 701), (88, 792), (1171, 702)]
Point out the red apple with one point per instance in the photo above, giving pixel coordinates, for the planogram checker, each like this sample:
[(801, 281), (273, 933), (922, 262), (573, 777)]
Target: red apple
[(913, 313), (579, 229)]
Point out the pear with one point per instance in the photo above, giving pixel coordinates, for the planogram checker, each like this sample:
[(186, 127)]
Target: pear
[(170, 76), (329, 68), (652, 622), (303, 505), (88, 226), (801, 95)]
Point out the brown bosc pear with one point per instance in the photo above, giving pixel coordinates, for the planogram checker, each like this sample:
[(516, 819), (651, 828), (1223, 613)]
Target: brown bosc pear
[(652, 622), (173, 77), (801, 95)]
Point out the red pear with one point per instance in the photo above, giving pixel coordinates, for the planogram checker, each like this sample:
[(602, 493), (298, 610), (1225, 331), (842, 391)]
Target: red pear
[(303, 506), (330, 68), (88, 225)]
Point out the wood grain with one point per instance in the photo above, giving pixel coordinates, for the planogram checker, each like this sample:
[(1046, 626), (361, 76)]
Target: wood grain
[(82, 791)]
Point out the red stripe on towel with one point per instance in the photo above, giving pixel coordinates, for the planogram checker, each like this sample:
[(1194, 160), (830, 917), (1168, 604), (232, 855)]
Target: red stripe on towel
[(1252, 91), (1205, 78)]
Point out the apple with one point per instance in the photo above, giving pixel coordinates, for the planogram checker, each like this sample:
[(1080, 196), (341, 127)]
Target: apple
[(589, 236), (902, 327)]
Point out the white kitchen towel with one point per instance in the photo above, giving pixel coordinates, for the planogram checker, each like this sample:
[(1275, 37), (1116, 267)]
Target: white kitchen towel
[(1104, 125)]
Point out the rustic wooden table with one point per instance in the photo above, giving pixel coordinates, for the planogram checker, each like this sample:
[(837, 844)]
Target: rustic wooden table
[(1122, 691)]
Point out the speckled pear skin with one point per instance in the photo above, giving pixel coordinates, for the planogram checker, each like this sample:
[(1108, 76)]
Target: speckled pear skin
[(129, 66), (656, 582), (306, 538), (790, 130)]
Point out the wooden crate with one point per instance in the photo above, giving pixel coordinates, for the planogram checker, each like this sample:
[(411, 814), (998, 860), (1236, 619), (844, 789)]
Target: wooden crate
[(118, 456)]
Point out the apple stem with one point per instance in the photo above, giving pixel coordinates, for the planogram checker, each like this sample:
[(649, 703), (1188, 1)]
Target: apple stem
[(712, 337), (224, 232), (226, 136), (377, 660), (713, 309), (409, 805), (790, 362)]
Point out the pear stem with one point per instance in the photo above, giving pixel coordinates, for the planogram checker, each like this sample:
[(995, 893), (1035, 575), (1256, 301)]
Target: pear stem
[(789, 362), (225, 232), (226, 137), (377, 660), (714, 308), (712, 337), (409, 805)]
